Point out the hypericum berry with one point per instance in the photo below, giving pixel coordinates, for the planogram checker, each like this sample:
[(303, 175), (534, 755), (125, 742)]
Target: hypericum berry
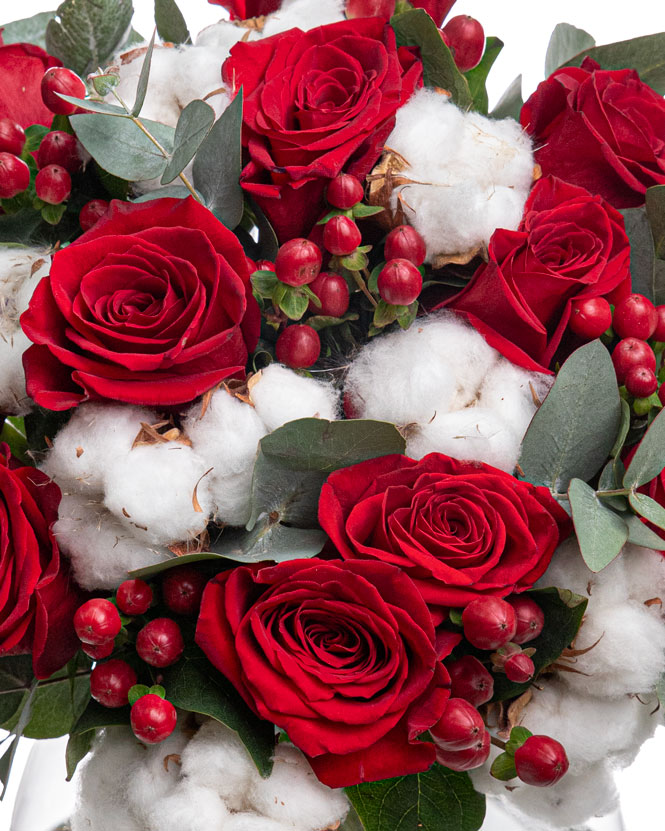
[(399, 282), (265, 265), (641, 382), (14, 175), (298, 346), (97, 621), (160, 642), (133, 597), (635, 317), (12, 137), (344, 191), (341, 236), (153, 718), (629, 353), (519, 668), (541, 761), (92, 212), (529, 616), (405, 243), (370, 8), (111, 682), (333, 292), (470, 680), (590, 317), (460, 726), (59, 148), (466, 39), (53, 184), (659, 333), (298, 262), (182, 589), (98, 651), (489, 622), (59, 79), (473, 757)]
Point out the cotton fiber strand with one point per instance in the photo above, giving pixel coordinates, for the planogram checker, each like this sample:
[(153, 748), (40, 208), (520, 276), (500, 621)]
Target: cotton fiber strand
[(188, 807), (281, 395)]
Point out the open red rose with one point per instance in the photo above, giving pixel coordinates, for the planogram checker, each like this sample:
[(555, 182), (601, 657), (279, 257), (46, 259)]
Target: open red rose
[(22, 67), (316, 103), (458, 529), (243, 9), (601, 129), (340, 655), (38, 596), (151, 306), (570, 244)]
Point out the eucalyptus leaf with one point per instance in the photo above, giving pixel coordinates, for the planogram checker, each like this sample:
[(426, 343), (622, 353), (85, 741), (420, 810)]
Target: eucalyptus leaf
[(270, 540), (9, 755), (144, 77), (601, 532), (78, 747), (511, 102), (640, 534), (100, 107), (649, 458), (286, 495), (566, 42), (27, 30), (648, 508), (655, 210), (642, 255), (171, 25), (191, 130), (185, 559), (477, 77), (170, 192)]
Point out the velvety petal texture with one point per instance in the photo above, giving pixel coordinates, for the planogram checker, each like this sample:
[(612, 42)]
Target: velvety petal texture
[(152, 306), (22, 67), (243, 9)]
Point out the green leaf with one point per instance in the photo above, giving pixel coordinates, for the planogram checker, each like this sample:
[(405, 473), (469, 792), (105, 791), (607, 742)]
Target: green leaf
[(280, 494), (385, 314), (270, 540), (15, 674), (642, 255), (34, 135), (518, 735), (264, 282), (136, 692), (95, 716), (144, 77), (359, 211), (86, 33), (171, 192), (416, 28), (356, 261), (27, 30), (566, 42), (8, 757), (53, 213), (641, 534), (436, 800), (649, 458), (217, 173), (573, 431), (503, 767), (655, 210), (319, 322), (477, 77), (171, 24), (624, 427), (648, 508), (601, 532), (191, 130), (100, 107), (13, 434), (406, 317), (194, 684), (511, 102), (121, 148), (294, 303), (78, 747), (186, 559), (268, 245)]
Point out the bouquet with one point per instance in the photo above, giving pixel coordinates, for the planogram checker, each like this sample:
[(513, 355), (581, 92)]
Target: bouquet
[(332, 462)]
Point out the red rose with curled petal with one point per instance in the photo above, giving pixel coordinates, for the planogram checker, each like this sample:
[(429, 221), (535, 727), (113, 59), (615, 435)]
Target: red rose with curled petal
[(343, 656), (458, 529), (38, 596), (601, 129), (244, 9), (22, 67), (570, 245), (153, 306), (316, 103)]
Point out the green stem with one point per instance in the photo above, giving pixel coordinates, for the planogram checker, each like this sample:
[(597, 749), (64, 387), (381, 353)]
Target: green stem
[(363, 287), (617, 492), (46, 683)]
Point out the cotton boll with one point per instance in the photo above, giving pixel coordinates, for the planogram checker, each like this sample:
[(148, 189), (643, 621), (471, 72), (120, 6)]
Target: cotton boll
[(249, 821), (21, 268), (644, 571), (200, 73), (509, 391), (567, 570), (14, 399), (281, 395), (232, 497), (499, 150), (223, 35), (303, 14), (156, 777), (188, 807), (649, 716)]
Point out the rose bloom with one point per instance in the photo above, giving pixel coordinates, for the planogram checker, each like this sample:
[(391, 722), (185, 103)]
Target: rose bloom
[(436, 9), (342, 656), (152, 306), (38, 597), (316, 103), (458, 529), (244, 9), (22, 67), (601, 129), (570, 245)]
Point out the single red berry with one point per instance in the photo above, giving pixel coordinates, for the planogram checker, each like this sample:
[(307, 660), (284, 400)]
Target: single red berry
[(405, 243), (153, 718), (265, 265), (541, 761), (436, 9), (298, 346), (530, 618), (133, 597), (92, 212), (14, 175), (97, 621), (98, 651), (489, 622), (519, 668), (111, 682), (12, 137), (53, 184), (370, 8), (590, 317), (399, 282), (344, 191), (659, 333), (59, 148), (472, 757), (629, 353), (661, 394), (298, 262), (160, 642), (635, 317), (460, 726), (58, 79), (641, 382), (333, 292), (470, 680), (341, 236), (466, 39), (182, 589)]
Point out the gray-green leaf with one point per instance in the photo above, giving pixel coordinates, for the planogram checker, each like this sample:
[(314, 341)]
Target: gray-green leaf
[(191, 130), (649, 458), (648, 508), (477, 77), (171, 24), (641, 534), (511, 102), (144, 77), (601, 533), (642, 255), (566, 42), (27, 30)]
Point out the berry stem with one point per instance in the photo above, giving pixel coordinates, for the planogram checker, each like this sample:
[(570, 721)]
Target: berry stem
[(363, 286), (497, 742)]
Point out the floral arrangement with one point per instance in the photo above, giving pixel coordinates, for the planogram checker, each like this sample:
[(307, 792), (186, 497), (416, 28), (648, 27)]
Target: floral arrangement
[(332, 463)]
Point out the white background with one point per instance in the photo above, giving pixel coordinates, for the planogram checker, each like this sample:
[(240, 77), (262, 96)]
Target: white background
[(525, 27)]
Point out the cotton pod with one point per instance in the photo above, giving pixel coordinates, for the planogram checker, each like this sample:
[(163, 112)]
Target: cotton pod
[(21, 268), (304, 15), (188, 807), (14, 399), (281, 395), (513, 394), (644, 574), (250, 821), (568, 570), (156, 777)]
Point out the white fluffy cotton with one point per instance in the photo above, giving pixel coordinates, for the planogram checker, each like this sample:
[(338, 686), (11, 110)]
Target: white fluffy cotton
[(470, 174), (188, 807), (249, 821), (304, 15), (281, 395)]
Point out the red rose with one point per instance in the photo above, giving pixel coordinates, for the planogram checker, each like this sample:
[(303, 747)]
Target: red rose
[(570, 244), (601, 129), (38, 597), (316, 103), (243, 9), (340, 655), (151, 306), (458, 529), (22, 67)]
